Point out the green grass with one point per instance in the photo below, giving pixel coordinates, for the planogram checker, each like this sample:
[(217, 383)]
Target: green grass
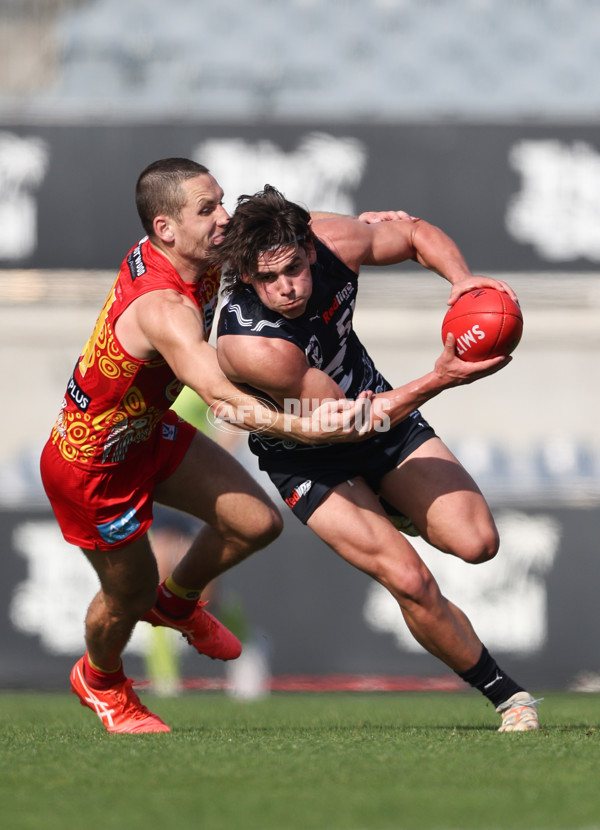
[(300, 762)]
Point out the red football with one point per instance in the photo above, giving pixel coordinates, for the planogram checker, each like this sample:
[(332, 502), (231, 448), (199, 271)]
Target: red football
[(485, 322)]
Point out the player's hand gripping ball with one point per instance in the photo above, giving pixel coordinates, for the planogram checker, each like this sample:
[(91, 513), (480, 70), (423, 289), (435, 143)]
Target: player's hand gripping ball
[(485, 322)]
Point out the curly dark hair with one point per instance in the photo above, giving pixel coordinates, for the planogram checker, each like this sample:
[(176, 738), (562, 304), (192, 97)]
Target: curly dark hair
[(262, 222)]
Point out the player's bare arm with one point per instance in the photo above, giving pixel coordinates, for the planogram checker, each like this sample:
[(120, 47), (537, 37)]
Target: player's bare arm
[(389, 243), (167, 323), (278, 368), (437, 252), (408, 238), (352, 240), (368, 216), (449, 371)]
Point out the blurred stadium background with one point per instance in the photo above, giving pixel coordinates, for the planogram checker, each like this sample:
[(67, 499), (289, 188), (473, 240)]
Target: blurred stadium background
[(483, 117)]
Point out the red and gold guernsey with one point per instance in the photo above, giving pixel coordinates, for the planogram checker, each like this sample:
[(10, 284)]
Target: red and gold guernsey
[(114, 401)]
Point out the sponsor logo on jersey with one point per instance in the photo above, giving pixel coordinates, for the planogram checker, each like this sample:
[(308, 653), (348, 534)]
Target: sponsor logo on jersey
[(342, 295), (314, 352), (169, 432), (298, 492), (135, 260), (77, 395)]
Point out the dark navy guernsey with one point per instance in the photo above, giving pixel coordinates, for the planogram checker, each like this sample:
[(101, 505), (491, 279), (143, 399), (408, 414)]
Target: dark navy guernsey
[(325, 334)]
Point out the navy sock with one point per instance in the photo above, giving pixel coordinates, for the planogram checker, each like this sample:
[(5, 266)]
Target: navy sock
[(491, 681)]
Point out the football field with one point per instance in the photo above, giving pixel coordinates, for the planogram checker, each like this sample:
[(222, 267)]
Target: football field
[(301, 762)]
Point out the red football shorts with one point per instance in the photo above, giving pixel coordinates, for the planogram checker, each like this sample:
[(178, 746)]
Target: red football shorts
[(108, 509)]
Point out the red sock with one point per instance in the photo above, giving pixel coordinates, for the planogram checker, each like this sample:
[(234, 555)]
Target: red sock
[(173, 605), (99, 679)]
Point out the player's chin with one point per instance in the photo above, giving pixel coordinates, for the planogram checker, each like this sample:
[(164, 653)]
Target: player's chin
[(293, 310)]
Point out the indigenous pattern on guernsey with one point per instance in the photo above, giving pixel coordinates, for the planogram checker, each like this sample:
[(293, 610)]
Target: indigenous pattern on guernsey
[(113, 401), (324, 333)]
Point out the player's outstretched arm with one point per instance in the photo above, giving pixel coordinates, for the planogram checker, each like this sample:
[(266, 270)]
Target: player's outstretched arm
[(436, 251), (449, 371), (278, 368), (167, 323), (383, 242), (332, 421), (360, 243), (231, 402), (370, 217)]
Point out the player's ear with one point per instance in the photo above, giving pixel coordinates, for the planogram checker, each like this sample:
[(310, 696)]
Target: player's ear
[(245, 278), (311, 253), (163, 228)]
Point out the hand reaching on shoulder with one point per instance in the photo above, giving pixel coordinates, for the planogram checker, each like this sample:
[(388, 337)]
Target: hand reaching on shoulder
[(371, 217)]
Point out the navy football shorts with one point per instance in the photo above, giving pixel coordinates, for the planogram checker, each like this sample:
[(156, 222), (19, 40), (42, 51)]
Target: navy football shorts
[(304, 475)]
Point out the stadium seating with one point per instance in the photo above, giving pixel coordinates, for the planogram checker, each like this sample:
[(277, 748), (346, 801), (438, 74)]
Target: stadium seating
[(343, 59)]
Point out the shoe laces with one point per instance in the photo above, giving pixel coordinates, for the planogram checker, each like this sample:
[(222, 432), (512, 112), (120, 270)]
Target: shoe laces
[(130, 702), (509, 705), (208, 623)]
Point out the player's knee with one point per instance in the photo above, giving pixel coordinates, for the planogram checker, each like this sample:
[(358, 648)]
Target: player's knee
[(144, 603), (419, 587), (132, 604), (271, 527), (480, 545), (413, 585), (266, 526)]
